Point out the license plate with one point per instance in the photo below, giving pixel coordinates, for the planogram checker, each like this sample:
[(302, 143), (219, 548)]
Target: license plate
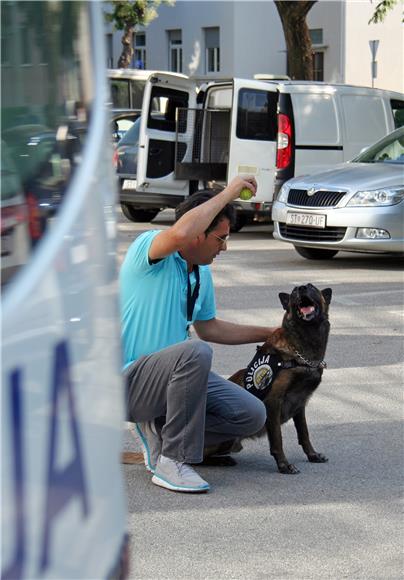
[(129, 184), (306, 219)]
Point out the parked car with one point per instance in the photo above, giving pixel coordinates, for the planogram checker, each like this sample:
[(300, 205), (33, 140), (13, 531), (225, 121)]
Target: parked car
[(127, 155), (121, 121), (15, 236), (356, 207)]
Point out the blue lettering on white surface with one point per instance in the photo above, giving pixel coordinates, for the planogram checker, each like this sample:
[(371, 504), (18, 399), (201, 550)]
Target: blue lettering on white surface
[(15, 568), (63, 484)]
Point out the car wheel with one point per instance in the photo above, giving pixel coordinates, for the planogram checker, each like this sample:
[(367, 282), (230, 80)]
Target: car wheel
[(239, 222), (139, 215), (315, 253)]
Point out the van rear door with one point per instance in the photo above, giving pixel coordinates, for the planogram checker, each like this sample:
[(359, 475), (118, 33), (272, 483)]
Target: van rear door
[(164, 94), (317, 123), (253, 135)]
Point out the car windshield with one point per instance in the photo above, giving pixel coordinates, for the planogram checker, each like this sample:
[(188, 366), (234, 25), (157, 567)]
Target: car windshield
[(131, 137), (388, 150)]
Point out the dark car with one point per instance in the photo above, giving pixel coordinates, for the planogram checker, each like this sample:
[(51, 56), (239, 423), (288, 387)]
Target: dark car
[(121, 121), (44, 160), (127, 154)]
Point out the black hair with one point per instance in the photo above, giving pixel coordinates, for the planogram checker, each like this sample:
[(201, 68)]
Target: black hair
[(200, 197)]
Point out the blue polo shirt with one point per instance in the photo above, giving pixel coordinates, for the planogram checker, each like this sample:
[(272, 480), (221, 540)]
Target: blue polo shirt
[(153, 299)]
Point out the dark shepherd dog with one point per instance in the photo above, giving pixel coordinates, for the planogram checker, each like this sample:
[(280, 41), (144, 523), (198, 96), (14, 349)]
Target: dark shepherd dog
[(288, 368)]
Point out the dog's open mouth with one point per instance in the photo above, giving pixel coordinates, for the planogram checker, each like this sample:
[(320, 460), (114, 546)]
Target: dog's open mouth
[(306, 309)]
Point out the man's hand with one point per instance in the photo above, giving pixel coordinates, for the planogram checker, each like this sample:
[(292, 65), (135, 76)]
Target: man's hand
[(196, 221), (237, 184)]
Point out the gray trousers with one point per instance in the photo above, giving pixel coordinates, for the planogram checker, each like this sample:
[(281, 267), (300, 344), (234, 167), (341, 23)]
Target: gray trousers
[(200, 407)]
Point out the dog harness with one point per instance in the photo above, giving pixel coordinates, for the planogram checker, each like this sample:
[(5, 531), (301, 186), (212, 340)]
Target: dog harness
[(264, 368)]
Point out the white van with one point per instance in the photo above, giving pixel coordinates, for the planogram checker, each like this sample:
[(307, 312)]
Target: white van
[(63, 512), (271, 129)]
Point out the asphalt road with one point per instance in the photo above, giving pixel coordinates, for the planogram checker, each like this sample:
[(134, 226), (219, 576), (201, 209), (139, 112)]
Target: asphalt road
[(341, 519)]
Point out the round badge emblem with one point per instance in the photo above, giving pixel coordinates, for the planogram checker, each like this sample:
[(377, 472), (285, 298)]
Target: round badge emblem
[(262, 377)]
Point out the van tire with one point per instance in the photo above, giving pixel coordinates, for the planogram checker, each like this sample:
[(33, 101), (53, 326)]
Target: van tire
[(139, 215), (315, 253), (238, 223)]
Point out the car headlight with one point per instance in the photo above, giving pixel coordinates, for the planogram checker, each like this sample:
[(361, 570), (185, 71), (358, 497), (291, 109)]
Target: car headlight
[(378, 197), (283, 193)]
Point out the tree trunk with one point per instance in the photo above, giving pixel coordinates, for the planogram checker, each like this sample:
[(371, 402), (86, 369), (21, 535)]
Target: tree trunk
[(127, 47), (298, 43)]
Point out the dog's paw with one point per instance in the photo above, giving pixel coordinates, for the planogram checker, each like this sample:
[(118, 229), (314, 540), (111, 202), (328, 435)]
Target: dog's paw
[(317, 458), (288, 468)]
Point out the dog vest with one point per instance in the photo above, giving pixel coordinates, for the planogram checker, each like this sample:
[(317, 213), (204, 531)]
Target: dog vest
[(262, 371)]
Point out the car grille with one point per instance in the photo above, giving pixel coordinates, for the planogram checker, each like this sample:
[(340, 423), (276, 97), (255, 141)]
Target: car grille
[(312, 234), (319, 199)]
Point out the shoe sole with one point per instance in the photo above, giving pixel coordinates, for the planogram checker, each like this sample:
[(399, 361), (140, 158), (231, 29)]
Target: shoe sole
[(146, 450), (157, 480)]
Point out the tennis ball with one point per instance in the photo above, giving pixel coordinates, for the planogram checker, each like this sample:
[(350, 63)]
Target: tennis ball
[(245, 194)]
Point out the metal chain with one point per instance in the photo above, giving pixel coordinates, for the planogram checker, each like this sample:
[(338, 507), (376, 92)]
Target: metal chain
[(312, 364)]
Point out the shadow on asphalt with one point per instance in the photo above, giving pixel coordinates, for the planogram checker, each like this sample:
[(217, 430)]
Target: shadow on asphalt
[(365, 465)]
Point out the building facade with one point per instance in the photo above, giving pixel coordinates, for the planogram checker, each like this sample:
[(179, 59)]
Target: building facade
[(220, 39)]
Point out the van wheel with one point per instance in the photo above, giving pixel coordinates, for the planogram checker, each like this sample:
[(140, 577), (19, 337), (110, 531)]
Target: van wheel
[(139, 215), (315, 253), (238, 223)]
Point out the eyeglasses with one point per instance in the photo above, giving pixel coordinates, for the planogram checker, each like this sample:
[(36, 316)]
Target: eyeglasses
[(223, 241)]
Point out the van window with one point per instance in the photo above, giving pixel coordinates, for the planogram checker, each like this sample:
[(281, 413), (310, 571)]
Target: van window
[(315, 117), (164, 103), (256, 115), (137, 89), (120, 94), (220, 98), (397, 108), (365, 118)]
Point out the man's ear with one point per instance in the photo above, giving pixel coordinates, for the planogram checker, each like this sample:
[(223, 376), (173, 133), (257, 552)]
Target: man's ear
[(327, 293), (284, 298)]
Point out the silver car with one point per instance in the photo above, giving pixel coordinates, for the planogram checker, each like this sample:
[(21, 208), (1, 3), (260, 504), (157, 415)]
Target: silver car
[(355, 207)]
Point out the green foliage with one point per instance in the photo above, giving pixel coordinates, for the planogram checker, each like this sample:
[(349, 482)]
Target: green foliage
[(381, 10), (136, 13)]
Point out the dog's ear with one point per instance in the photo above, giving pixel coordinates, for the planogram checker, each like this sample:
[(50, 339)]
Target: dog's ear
[(327, 293), (284, 298)]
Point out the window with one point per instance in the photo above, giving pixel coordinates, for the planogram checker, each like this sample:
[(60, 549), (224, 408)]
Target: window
[(139, 55), (397, 108), (318, 66), (26, 48), (6, 34), (212, 50), (164, 103), (256, 115), (316, 35), (120, 93), (110, 51), (175, 50)]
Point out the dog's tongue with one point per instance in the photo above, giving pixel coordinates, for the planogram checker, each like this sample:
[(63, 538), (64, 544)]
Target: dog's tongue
[(306, 310)]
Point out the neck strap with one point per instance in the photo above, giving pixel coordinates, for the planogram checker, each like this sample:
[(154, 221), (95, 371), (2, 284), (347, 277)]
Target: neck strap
[(192, 297)]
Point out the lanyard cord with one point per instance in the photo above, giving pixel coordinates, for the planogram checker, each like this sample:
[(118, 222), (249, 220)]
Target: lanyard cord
[(192, 297)]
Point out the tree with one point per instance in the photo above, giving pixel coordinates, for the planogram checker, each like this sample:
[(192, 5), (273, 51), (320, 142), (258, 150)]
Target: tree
[(381, 10), (126, 16), (298, 43)]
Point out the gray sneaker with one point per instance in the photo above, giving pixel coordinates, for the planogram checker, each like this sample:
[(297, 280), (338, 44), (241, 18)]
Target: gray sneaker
[(178, 476), (151, 443)]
